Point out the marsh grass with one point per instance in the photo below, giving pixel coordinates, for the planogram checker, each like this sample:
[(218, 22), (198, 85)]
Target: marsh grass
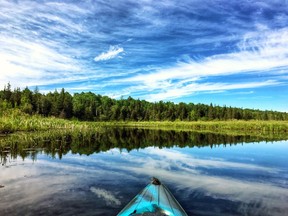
[(14, 120), (25, 136), (233, 126)]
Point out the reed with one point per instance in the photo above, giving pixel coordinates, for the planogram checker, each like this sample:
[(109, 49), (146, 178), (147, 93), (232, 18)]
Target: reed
[(15, 120), (252, 126)]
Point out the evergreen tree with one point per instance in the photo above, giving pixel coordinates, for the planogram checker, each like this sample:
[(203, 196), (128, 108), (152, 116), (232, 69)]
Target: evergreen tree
[(92, 107)]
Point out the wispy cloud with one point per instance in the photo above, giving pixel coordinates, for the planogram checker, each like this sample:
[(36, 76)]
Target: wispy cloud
[(260, 55), (190, 89), (108, 197), (113, 52), (31, 51), (192, 162), (157, 51)]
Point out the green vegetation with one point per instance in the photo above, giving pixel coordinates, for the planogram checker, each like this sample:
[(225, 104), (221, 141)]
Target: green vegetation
[(227, 127), (58, 123), (93, 107), (57, 143), (32, 111), (12, 120)]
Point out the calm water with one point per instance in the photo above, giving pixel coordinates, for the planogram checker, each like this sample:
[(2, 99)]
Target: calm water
[(209, 174)]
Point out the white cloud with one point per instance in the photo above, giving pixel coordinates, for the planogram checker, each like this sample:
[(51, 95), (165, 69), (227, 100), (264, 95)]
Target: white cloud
[(28, 54), (189, 89), (52, 43), (108, 197), (257, 55), (113, 52), (185, 160), (260, 54), (30, 63)]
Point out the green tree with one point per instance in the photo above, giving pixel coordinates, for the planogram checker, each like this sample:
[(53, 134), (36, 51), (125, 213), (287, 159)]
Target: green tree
[(36, 100), (26, 101)]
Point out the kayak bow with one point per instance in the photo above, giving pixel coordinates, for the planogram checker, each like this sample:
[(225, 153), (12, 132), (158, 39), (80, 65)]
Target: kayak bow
[(154, 199)]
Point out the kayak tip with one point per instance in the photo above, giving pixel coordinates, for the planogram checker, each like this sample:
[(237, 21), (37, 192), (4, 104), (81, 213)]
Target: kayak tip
[(155, 181)]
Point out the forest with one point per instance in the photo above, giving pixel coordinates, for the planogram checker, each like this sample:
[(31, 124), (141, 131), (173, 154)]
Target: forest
[(89, 106)]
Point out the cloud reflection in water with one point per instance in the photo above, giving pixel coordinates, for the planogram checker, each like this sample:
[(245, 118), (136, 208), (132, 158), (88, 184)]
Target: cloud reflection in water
[(102, 180)]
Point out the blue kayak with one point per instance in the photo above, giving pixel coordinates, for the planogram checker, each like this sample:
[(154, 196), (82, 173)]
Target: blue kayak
[(154, 199)]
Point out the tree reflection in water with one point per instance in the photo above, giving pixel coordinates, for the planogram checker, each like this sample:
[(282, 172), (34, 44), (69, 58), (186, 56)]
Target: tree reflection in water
[(59, 143)]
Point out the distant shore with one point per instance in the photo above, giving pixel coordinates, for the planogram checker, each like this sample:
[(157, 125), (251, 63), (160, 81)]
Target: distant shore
[(16, 120)]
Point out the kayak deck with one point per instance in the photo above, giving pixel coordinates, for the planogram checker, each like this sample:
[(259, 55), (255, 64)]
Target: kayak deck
[(154, 199)]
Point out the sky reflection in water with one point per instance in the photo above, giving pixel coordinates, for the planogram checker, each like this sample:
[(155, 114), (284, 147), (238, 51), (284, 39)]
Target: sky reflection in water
[(249, 179)]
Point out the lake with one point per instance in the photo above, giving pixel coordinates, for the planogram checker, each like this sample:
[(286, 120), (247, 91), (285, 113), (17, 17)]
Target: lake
[(99, 173)]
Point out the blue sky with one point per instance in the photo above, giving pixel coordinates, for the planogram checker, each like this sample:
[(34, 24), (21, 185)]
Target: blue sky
[(232, 53)]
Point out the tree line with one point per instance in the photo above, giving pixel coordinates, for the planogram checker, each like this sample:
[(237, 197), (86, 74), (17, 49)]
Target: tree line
[(89, 106)]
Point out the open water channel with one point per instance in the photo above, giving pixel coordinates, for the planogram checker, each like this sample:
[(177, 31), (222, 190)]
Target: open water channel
[(99, 173)]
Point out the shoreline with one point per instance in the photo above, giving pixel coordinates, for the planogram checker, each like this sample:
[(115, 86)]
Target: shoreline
[(23, 122)]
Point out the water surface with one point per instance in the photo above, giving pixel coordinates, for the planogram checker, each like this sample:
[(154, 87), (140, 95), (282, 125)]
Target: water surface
[(209, 174)]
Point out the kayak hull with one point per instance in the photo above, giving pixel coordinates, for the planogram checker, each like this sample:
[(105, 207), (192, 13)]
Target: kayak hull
[(154, 199)]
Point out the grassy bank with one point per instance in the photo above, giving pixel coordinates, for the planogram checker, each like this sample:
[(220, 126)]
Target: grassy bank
[(251, 126), (14, 120)]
